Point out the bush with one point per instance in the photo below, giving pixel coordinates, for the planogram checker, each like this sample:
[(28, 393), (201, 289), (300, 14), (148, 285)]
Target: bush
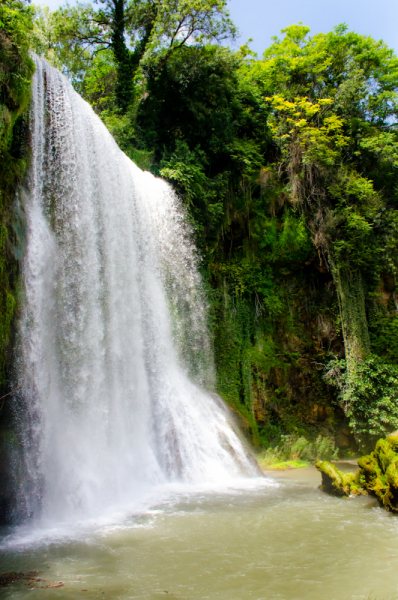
[(293, 448), (369, 398)]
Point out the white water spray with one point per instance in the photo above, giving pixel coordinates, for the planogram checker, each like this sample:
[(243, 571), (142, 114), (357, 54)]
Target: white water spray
[(113, 302)]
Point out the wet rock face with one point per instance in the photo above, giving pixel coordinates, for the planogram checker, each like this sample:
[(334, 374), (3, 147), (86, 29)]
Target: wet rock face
[(377, 475), (344, 438)]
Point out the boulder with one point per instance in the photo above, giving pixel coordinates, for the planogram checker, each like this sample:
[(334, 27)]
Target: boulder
[(337, 483), (377, 475)]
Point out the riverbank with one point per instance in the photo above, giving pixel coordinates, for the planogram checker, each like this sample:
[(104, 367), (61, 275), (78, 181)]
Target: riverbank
[(286, 465)]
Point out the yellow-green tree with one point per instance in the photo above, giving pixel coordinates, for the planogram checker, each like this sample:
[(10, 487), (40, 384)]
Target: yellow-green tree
[(332, 102)]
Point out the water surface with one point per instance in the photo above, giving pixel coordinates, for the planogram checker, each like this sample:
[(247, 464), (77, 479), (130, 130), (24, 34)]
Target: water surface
[(265, 539)]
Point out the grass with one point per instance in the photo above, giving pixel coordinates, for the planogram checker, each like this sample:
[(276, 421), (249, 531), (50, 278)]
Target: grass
[(285, 465), (294, 452)]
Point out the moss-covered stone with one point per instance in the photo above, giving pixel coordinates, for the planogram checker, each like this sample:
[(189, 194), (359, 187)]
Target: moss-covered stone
[(337, 483), (377, 475), (379, 472)]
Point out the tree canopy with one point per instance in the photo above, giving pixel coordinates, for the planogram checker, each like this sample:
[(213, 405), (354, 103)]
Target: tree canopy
[(137, 31)]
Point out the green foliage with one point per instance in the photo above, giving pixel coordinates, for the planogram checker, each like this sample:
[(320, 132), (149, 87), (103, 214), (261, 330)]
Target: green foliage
[(383, 330), (50, 38), (139, 34), (194, 121), (292, 448), (324, 449), (188, 21), (186, 169), (17, 68), (15, 75), (284, 466), (99, 85), (328, 91), (324, 94), (287, 167), (369, 396), (233, 365)]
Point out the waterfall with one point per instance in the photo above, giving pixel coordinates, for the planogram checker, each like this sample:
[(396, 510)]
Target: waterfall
[(114, 354)]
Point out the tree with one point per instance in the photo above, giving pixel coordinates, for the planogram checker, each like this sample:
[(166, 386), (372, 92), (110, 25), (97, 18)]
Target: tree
[(333, 102), (49, 40), (136, 30)]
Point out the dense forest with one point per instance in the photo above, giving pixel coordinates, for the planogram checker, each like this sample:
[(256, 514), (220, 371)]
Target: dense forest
[(287, 166)]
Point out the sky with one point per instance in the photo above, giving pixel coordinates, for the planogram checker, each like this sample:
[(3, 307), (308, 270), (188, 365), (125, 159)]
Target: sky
[(262, 19)]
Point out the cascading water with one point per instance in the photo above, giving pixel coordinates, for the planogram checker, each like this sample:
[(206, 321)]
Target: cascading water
[(113, 323)]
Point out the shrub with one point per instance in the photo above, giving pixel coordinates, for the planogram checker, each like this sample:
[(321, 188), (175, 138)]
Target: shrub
[(369, 397), (293, 448)]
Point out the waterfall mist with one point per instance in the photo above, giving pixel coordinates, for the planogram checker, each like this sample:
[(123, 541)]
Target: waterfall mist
[(114, 354)]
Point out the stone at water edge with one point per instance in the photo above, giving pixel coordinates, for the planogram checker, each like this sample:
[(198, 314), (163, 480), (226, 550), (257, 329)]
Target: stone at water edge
[(377, 475), (337, 483), (379, 472)]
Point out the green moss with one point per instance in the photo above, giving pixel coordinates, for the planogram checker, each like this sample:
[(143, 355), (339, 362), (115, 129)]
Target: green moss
[(265, 366), (283, 466), (377, 475), (337, 483), (16, 70), (379, 472), (295, 452)]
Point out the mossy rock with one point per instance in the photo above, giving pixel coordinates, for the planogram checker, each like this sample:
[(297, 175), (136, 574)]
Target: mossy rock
[(337, 483), (379, 472), (377, 475)]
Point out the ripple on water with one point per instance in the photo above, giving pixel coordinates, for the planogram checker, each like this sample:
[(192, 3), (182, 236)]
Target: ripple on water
[(263, 539)]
